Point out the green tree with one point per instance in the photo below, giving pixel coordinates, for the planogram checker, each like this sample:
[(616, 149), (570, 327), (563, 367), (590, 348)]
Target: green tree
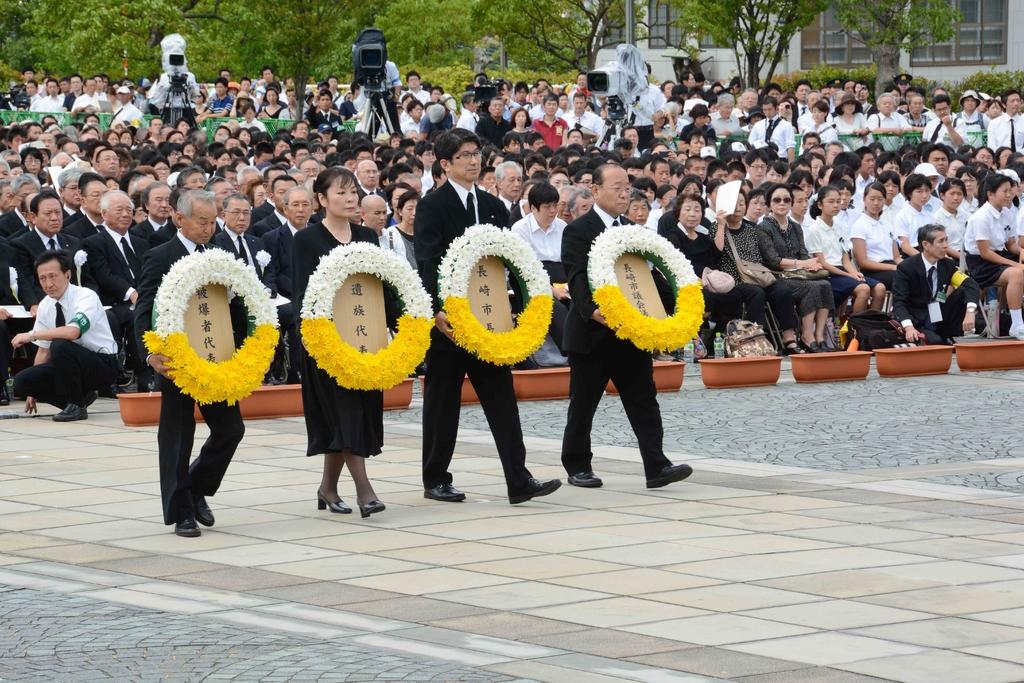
[(555, 34), (759, 31), (890, 27), (423, 31)]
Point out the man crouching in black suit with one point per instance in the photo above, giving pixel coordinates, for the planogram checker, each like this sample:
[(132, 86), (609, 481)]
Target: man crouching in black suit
[(183, 488), (597, 355), (442, 216)]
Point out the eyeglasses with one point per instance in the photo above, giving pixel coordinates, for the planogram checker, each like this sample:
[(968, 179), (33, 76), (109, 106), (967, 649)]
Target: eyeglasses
[(468, 155), (238, 212)]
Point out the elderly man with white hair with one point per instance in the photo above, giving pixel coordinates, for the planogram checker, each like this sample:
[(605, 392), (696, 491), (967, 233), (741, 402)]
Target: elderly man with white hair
[(724, 119), (888, 120), (115, 258), (508, 176)]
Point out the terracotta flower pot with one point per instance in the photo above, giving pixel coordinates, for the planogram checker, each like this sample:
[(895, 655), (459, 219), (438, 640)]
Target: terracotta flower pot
[(283, 400), (723, 373), (139, 410), (996, 355), (914, 361), (399, 396), (468, 394), (668, 376), (836, 366), (542, 384)]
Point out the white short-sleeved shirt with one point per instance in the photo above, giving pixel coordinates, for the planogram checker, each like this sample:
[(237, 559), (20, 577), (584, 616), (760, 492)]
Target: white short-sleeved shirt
[(546, 244), (907, 220), (955, 224), (826, 240), (986, 224), (81, 307), (878, 237), (893, 120), (782, 134)]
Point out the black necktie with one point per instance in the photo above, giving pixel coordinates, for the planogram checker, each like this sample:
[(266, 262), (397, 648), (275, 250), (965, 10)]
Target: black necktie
[(935, 133), (471, 207), (616, 223), (241, 251), (1013, 136), (933, 282), (200, 249), (59, 320), (131, 258), (53, 244)]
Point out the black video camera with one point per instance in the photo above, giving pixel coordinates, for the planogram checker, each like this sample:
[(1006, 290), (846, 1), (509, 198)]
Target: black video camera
[(369, 60), (16, 98)]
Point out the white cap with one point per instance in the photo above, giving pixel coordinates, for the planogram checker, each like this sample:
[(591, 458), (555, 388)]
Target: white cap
[(927, 169), (739, 147), (708, 153), (124, 90), (1010, 173)]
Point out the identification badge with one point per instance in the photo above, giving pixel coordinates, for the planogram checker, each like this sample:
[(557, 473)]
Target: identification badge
[(941, 297), (935, 312)]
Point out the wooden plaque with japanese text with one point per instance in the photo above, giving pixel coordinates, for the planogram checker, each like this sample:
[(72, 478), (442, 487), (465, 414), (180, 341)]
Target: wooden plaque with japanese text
[(208, 324), (636, 282), (488, 295), (359, 313)]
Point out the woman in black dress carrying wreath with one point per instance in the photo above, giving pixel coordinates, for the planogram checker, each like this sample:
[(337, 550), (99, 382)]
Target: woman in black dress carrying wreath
[(345, 425)]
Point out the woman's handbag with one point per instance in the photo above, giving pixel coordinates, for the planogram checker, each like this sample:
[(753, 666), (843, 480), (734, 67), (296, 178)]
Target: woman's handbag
[(751, 272), (717, 282), (803, 274)]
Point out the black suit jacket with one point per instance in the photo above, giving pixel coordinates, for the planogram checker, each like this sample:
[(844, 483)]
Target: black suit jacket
[(278, 243), (268, 224), (6, 262), (27, 248), (228, 242), (493, 131), (109, 268), (70, 218), (11, 225), (145, 231), (82, 228), (911, 292), (158, 261), (582, 333), (440, 218), (262, 211)]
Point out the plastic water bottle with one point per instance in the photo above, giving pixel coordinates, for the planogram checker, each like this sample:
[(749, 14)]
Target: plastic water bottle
[(719, 345), (688, 352), (993, 315)]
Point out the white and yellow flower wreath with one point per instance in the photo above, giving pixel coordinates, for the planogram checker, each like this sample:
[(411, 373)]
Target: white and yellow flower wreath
[(645, 332), (499, 348), (204, 380), (348, 366)]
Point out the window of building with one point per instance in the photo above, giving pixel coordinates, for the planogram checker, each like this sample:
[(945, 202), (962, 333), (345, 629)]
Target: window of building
[(825, 41), (980, 38), (661, 18)]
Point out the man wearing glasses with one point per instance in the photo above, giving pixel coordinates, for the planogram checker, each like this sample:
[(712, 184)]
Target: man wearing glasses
[(441, 216)]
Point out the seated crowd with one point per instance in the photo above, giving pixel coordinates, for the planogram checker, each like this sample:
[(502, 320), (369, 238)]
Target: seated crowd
[(844, 220)]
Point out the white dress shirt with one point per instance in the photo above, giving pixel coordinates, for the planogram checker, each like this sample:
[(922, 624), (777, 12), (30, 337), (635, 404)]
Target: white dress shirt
[(986, 224), (955, 224), (782, 134), (999, 132), (893, 120), (827, 241), (907, 220), (468, 120), (936, 131), (83, 309), (878, 237), (546, 244), (126, 114), (48, 104)]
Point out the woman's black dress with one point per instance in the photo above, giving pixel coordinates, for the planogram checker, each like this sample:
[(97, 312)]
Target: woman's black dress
[(336, 418)]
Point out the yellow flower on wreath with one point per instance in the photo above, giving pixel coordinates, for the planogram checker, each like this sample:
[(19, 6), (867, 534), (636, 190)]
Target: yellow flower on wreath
[(645, 332)]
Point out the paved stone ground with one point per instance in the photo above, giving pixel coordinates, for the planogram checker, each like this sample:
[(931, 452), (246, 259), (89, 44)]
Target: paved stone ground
[(837, 426), (47, 636), (844, 533)]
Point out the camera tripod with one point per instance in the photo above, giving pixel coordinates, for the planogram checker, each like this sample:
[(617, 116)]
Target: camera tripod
[(375, 115), (178, 106)]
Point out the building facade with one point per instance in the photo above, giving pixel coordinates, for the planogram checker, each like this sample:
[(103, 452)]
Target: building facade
[(990, 37)]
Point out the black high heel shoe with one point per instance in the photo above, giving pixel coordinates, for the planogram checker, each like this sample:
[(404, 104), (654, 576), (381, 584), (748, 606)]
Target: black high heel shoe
[(370, 508), (324, 504)]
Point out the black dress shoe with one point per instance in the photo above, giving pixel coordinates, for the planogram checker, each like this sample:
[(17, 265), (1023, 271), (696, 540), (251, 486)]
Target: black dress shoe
[(669, 474), (338, 506), (187, 527), (445, 493), (71, 413), (587, 480), (370, 508), (535, 489), (204, 515)]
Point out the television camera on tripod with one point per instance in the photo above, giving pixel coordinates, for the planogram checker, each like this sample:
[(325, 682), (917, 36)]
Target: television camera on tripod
[(173, 95), (377, 77)]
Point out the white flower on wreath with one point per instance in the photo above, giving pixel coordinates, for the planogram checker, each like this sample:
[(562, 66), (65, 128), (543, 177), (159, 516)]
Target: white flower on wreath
[(214, 266), (262, 258), (363, 257), (627, 239), (480, 241)]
